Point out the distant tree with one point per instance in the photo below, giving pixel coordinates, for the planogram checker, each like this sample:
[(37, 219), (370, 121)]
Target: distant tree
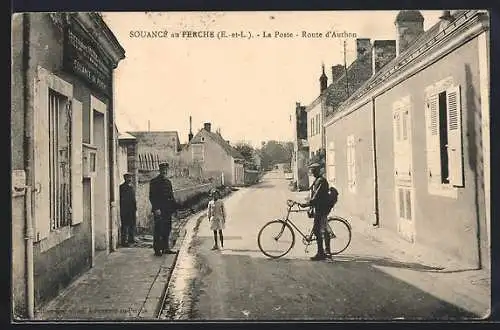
[(247, 151), (274, 152)]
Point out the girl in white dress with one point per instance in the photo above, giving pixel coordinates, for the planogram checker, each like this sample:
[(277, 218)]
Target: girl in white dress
[(217, 218)]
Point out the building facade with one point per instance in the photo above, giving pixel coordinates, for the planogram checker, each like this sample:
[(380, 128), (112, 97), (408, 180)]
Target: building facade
[(63, 151), (216, 157), (410, 149)]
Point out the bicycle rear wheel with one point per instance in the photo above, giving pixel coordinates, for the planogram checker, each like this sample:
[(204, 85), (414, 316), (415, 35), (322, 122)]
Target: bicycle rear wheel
[(276, 238), (340, 234)]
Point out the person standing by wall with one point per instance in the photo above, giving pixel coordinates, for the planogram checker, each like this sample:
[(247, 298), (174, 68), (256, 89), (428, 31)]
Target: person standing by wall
[(128, 210), (163, 206), (319, 202)]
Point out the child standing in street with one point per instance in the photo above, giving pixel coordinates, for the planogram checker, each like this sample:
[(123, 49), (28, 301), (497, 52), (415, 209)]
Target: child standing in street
[(217, 218)]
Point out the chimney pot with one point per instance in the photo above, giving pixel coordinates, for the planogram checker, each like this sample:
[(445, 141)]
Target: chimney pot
[(207, 126), (409, 26)]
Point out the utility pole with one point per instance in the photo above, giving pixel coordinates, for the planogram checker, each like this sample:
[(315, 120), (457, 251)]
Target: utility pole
[(149, 125), (345, 68)]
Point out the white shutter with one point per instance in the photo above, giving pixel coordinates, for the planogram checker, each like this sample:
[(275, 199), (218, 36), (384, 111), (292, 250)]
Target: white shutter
[(396, 124), (432, 139), (454, 112), (349, 174), (330, 158), (76, 163), (353, 161), (405, 147), (41, 211)]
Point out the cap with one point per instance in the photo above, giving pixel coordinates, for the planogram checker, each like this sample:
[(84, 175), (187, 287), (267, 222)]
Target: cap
[(314, 165), (162, 165), (128, 174)]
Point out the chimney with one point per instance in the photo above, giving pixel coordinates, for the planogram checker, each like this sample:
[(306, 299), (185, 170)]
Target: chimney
[(383, 51), (363, 46), (207, 126), (409, 26), (445, 19), (337, 71), (323, 80), (190, 135)]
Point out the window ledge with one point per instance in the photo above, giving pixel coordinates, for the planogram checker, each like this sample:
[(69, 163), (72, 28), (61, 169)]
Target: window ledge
[(443, 190), (56, 237)]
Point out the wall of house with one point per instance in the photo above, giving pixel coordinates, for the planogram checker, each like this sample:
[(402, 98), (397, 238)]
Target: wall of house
[(122, 161), (216, 161), (359, 201), (17, 163), (446, 223), (58, 265), (315, 140)]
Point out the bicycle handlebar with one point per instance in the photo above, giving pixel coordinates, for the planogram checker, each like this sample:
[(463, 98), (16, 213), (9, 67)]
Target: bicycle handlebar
[(291, 203)]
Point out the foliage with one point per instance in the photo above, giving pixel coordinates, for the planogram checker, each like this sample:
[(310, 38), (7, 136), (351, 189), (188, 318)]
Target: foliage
[(274, 152), (247, 151)]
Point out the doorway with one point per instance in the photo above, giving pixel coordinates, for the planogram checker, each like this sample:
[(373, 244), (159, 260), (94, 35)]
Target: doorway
[(100, 181)]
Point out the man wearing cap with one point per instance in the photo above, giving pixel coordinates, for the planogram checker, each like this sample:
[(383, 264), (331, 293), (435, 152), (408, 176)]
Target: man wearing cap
[(163, 206), (319, 202), (128, 209)]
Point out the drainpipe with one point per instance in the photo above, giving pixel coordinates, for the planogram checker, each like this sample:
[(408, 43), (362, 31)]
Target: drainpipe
[(112, 156), (375, 170), (28, 164)]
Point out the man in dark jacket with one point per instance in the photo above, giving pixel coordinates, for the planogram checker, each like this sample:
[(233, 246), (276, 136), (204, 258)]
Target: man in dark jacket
[(163, 206), (128, 209), (319, 203)]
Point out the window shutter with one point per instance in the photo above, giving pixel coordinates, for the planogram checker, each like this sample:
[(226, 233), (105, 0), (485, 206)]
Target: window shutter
[(349, 174), (396, 123), (353, 161), (76, 163), (331, 161), (453, 104), (41, 198), (432, 139), (405, 160)]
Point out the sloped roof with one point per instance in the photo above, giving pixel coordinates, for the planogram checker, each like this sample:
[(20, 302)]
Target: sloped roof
[(125, 136), (412, 54), (219, 140), (358, 72)]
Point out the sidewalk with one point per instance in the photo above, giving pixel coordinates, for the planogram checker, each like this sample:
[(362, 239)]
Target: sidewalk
[(127, 284), (423, 267)]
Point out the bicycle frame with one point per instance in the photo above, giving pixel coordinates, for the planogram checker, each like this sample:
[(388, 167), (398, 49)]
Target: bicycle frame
[(289, 221)]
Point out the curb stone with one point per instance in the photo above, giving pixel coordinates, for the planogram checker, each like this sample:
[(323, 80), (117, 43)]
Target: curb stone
[(168, 268)]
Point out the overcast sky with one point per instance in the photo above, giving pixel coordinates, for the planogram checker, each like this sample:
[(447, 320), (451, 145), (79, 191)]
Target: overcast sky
[(247, 88)]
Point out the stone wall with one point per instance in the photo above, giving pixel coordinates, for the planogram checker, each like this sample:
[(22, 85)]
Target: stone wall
[(185, 196)]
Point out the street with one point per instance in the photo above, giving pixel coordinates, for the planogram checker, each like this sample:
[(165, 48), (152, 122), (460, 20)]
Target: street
[(239, 283)]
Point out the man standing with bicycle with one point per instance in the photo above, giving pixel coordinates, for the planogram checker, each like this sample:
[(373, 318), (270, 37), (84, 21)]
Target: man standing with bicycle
[(319, 204)]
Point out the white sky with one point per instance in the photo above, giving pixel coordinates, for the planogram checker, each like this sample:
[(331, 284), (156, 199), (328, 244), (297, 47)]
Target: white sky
[(247, 88)]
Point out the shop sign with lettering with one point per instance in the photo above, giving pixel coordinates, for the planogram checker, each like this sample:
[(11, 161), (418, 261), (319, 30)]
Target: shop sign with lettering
[(82, 59)]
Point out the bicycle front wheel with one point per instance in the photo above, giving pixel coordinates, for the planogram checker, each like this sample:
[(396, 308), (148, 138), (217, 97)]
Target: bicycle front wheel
[(339, 231), (276, 239)]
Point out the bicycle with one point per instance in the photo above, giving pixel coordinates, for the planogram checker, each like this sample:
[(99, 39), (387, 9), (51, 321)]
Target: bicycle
[(281, 231)]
